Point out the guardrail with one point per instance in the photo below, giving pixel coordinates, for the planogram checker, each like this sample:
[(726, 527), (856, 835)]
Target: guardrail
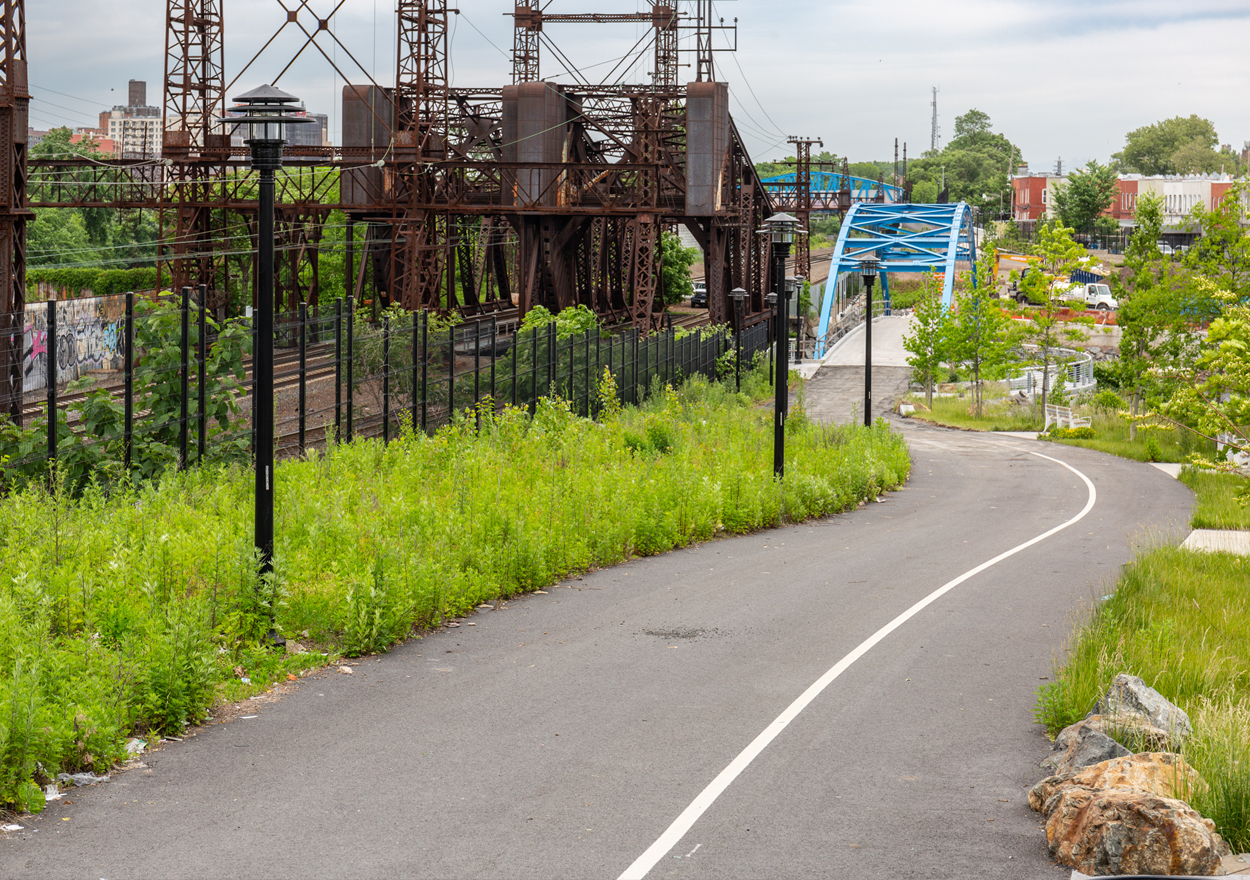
[(1078, 369)]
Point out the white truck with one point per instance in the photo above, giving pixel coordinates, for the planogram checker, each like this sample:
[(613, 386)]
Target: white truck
[(1093, 294)]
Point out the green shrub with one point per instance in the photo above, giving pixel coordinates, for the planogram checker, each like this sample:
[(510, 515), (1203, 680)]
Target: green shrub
[(1110, 401), (1085, 432)]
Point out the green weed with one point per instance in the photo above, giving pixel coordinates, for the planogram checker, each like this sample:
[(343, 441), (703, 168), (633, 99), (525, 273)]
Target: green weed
[(133, 607), (1181, 621)]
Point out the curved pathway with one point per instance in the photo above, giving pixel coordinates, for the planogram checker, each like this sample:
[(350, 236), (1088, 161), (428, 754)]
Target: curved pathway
[(565, 733)]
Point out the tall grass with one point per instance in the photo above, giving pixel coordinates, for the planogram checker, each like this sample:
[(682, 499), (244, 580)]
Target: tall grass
[(1219, 499), (133, 610), (999, 413), (1180, 620), (1111, 430)]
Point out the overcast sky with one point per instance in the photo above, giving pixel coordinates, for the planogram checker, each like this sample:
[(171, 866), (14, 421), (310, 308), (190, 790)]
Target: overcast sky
[(1059, 78)]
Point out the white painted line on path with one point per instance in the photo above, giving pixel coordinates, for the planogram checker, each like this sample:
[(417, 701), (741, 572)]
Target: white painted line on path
[(683, 823)]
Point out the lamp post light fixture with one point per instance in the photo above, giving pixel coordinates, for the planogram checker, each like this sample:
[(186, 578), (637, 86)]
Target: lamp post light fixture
[(794, 287), (781, 229), (738, 295), (266, 112), (868, 268), (771, 299)]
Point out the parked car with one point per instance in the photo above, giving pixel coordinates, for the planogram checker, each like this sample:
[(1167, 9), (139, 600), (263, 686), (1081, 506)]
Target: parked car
[(699, 299), (1164, 248)]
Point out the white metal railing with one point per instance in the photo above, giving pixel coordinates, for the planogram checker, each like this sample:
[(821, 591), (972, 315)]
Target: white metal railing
[(1078, 367)]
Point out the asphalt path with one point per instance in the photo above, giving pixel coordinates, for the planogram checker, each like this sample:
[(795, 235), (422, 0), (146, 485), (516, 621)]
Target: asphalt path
[(563, 733)]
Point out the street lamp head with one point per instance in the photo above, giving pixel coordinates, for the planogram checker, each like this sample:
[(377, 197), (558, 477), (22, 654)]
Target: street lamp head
[(738, 294), (793, 284), (266, 113), (781, 228), (868, 268), (771, 298)]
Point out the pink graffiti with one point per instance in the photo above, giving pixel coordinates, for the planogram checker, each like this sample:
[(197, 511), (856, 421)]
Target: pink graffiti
[(38, 343)]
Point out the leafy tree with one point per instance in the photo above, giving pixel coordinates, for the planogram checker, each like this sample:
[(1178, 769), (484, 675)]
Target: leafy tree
[(929, 342), (1222, 254), (1087, 194), (974, 167), (1154, 328), (1153, 149), (982, 335), (676, 261), (1216, 399), (1058, 256), (971, 123), (61, 236)]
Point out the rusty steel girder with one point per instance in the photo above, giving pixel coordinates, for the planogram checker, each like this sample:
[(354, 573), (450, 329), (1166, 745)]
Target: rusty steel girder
[(475, 199), (14, 213)]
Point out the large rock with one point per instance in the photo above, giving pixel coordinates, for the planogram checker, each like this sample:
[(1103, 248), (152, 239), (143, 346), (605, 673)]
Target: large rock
[(1124, 831), (1080, 745), (1158, 773), (1133, 732), (1130, 697)]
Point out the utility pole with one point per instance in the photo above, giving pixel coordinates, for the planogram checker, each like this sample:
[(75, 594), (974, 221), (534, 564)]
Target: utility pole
[(933, 131), (803, 200)]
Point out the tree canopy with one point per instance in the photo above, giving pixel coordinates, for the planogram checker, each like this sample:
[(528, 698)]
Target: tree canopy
[(1178, 145), (975, 167), (1086, 195)]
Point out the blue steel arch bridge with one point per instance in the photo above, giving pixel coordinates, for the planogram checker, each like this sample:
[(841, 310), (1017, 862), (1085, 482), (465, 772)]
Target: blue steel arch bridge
[(903, 238)]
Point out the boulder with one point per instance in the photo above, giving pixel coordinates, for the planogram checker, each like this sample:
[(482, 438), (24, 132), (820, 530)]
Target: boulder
[(1125, 831), (1133, 732), (1158, 773), (1130, 697), (1080, 745)]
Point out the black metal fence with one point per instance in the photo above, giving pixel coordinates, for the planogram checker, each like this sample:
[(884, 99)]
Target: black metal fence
[(138, 384)]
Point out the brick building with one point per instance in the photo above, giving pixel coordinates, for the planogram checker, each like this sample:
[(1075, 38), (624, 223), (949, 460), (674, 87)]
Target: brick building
[(1033, 196)]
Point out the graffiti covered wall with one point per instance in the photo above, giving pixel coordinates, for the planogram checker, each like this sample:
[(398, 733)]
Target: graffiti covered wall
[(88, 337)]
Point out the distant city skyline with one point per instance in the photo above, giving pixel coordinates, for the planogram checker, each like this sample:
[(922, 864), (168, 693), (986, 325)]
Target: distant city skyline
[(1060, 79)]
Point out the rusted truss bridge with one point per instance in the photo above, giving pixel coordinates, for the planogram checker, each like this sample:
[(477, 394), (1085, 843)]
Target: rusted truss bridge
[(472, 200)]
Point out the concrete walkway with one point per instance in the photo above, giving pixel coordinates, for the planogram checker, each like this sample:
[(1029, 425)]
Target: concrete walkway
[(835, 384)]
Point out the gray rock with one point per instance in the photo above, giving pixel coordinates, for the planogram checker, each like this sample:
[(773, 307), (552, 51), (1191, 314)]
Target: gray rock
[(1081, 745), (1130, 697)]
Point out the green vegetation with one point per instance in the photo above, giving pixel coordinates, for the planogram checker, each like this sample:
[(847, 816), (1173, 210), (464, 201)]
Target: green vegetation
[(59, 236), (998, 413), (131, 609), (676, 261), (1175, 146), (1111, 434), (1086, 195), (1220, 499), (1109, 431), (95, 454), (1180, 620), (975, 166)]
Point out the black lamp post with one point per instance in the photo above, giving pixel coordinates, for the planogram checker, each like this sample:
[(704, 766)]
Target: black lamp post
[(738, 295), (266, 112), (794, 286), (781, 229), (868, 268)]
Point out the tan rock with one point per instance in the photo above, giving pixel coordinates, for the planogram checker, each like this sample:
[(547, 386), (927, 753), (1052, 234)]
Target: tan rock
[(1158, 773), (1124, 831)]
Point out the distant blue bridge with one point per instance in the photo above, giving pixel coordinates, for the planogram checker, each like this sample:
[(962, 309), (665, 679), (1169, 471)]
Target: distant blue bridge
[(904, 238), (825, 187)]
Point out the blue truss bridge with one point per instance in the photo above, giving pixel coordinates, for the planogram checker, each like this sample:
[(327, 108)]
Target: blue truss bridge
[(825, 186), (904, 238)]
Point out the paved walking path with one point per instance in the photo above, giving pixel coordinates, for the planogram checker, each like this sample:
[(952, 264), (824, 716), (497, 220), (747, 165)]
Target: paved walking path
[(642, 720)]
